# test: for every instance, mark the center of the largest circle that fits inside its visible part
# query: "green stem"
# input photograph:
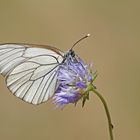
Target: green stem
(106, 110)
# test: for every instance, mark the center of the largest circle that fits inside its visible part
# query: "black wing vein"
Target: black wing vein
(25, 69)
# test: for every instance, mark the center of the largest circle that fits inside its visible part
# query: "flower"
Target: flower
(74, 76)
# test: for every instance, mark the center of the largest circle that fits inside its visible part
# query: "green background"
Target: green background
(114, 48)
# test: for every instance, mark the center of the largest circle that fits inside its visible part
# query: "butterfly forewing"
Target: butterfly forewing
(30, 70)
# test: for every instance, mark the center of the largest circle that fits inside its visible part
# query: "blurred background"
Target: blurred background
(114, 48)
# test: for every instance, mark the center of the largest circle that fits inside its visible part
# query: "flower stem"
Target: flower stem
(106, 110)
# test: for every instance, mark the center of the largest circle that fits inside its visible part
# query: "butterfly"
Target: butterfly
(31, 70)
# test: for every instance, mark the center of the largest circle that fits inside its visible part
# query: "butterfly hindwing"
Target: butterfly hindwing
(30, 71)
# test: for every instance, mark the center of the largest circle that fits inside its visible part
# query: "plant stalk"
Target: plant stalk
(92, 88)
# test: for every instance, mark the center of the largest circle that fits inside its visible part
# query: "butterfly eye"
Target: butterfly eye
(72, 53)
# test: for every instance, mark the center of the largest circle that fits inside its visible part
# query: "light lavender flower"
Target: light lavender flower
(74, 76)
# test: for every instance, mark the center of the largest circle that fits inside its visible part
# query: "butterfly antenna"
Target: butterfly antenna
(79, 41)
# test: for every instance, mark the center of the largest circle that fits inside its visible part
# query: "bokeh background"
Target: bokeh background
(114, 48)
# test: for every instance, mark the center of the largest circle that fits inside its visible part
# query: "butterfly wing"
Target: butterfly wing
(30, 71)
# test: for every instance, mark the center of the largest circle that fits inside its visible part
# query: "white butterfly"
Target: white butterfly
(31, 70)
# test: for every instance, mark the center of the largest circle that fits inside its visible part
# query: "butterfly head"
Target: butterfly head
(71, 54)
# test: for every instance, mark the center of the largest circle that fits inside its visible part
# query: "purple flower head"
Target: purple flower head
(74, 76)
